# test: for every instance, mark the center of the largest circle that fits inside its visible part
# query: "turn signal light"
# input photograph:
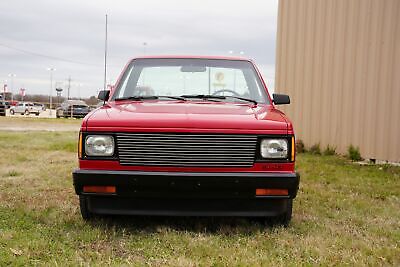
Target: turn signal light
(80, 146)
(99, 189)
(293, 149)
(271, 192)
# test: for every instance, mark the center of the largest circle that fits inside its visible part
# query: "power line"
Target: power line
(47, 56)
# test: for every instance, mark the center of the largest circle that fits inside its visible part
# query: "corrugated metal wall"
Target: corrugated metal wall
(339, 60)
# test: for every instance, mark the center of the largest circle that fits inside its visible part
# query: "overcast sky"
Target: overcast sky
(69, 36)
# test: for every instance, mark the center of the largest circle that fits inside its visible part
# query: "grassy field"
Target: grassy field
(344, 214)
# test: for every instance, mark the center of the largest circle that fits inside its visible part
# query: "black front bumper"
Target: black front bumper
(184, 193)
(77, 115)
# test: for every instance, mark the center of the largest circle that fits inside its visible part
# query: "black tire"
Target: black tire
(12, 112)
(279, 220)
(37, 114)
(83, 204)
(284, 219)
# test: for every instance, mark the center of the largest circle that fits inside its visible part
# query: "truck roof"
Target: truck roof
(191, 57)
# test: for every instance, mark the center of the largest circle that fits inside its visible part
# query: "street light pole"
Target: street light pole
(51, 87)
(144, 48)
(144, 70)
(79, 90)
(4, 89)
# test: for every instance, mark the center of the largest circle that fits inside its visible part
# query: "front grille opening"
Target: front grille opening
(186, 150)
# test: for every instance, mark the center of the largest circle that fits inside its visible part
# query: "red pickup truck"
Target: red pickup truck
(188, 136)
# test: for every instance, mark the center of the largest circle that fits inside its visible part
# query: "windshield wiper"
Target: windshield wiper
(205, 97)
(219, 97)
(172, 97)
(151, 97)
(136, 97)
(244, 99)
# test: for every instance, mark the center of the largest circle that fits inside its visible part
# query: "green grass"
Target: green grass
(344, 214)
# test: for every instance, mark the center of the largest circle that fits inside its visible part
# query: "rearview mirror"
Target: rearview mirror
(193, 69)
(104, 95)
(281, 99)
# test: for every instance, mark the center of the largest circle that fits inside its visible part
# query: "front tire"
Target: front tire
(83, 204)
(12, 112)
(285, 218)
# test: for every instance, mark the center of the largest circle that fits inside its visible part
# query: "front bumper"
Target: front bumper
(186, 193)
(77, 115)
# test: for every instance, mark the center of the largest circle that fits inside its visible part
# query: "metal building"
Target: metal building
(339, 60)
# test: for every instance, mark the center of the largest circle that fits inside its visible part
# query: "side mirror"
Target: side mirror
(104, 95)
(280, 99)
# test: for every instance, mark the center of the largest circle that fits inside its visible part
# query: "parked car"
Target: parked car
(25, 108)
(73, 108)
(196, 137)
(6, 103)
(2, 106)
(39, 106)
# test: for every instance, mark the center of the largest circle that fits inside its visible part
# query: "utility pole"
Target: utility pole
(12, 75)
(4, 89)
(51, 87)
(69, 86)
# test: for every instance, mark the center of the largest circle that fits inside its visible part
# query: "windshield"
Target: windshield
(227, 80)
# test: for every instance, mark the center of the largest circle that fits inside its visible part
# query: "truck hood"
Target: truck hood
(152, 115)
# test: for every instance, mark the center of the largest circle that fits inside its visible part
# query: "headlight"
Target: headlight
(274, 148)
(99, 145)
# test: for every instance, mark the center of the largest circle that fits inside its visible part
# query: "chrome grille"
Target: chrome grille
(186, 150)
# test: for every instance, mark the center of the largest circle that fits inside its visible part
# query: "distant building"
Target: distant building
(339, 61)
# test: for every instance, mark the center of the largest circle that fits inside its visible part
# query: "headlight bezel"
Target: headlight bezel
(258, 158)
(290, 149)
(86, 135)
